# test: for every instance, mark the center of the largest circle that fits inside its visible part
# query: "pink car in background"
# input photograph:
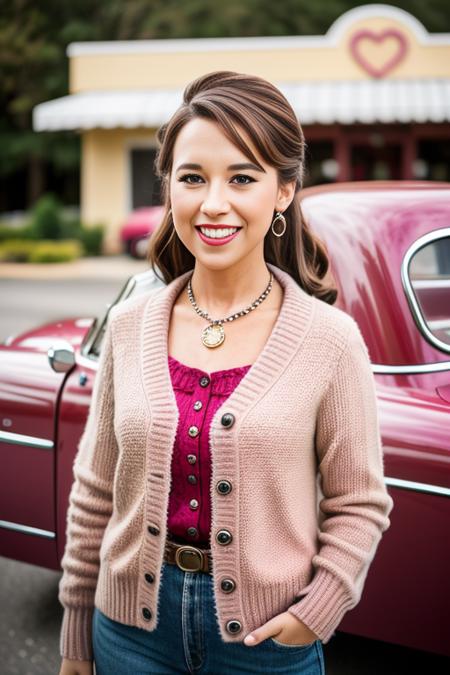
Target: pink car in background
(139, 226)
(389, 244)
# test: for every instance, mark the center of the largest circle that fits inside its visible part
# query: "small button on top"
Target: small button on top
(198, 405)
(153, 529)
(227, 420)
(149, 577)
(204, 381)
(193, 504)
(192, 531)
(192, 479)
(191, 459)
(193, 431)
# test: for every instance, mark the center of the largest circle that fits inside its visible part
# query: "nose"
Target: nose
(214, 202)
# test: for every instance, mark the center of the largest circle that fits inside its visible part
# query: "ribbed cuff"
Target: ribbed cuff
(76, 634)
(324, 604)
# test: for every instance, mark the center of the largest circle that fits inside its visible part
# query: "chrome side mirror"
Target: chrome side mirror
(61, 356)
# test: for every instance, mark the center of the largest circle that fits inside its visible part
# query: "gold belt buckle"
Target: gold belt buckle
(192, 557)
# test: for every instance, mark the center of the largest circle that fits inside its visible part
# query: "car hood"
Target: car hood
(41, 338)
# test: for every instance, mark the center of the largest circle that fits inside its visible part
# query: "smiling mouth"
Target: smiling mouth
(217, 232)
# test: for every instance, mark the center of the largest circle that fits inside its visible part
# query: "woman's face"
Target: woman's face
(216, 192)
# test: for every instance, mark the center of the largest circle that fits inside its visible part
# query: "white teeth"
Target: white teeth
(220, 233)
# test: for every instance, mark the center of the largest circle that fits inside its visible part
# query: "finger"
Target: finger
(250, 640)
(260, 634)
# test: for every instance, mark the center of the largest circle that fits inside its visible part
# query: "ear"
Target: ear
(285, 196)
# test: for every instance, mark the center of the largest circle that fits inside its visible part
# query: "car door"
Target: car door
(29, 390)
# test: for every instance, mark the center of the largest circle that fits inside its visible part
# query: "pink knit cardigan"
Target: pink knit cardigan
(298, 440)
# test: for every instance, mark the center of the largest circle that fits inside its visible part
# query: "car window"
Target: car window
(429, 288)
(145, 282)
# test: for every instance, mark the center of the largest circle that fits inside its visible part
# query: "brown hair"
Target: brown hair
(256, 105)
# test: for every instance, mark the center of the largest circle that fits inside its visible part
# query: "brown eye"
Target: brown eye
(241, 175)
(189, 175)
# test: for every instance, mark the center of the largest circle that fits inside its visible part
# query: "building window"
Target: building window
(321, 166)
(433, 160)
(145, 186)
(376, 162)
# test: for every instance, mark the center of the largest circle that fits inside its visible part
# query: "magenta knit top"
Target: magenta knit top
(198, 394)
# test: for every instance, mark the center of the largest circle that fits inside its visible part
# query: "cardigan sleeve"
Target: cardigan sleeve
(355, 505)
(90, 507)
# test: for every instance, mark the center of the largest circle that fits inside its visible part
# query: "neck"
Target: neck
(224, 292)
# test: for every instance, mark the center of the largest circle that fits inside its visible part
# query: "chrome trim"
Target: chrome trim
(408, 289)
(26, 529)
(97, 326)
(418, 487)
(416, 369)
(61, 356)
(147, 278)
(22, 439)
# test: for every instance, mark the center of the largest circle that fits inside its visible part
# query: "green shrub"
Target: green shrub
(46, 218)
(9, 232)
(51, 251)
(44, 251)
(15, 250)
(47, 221)
(92, 239)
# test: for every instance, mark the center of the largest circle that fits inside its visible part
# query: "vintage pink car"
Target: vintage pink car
(138, 227)
(389, 244)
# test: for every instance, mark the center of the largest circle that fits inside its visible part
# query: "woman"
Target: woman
(229, 495)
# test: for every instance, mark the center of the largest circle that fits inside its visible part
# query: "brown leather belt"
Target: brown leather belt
(188, 558)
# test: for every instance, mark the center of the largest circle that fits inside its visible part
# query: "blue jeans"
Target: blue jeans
(187, 639)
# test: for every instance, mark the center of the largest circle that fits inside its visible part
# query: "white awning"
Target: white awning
(326, 102)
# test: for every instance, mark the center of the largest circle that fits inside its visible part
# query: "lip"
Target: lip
(217, 227)
(215, 242)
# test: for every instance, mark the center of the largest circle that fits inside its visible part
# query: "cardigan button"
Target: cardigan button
(223, 487)
(224, 537)
(233, 626)
(227, 585)
(146, 613)
(204, 381)
(153, 529)
(192, 531)
(193, 431)
(150, 578)
(227, 420)
(193, 504)
(191, 459)
(198, 405)
(192, 479)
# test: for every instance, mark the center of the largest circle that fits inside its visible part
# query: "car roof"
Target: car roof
(374, 186)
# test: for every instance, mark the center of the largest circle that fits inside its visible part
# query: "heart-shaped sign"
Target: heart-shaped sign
(376, 69)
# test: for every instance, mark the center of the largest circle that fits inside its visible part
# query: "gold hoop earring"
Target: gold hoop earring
(279, 216)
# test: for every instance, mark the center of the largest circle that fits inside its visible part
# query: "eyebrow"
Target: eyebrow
(232, 167)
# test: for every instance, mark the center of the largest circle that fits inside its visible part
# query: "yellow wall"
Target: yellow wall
(105, 174)
(175, 69)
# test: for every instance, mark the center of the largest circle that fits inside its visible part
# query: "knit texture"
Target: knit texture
(308, 504)
(196, 405)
